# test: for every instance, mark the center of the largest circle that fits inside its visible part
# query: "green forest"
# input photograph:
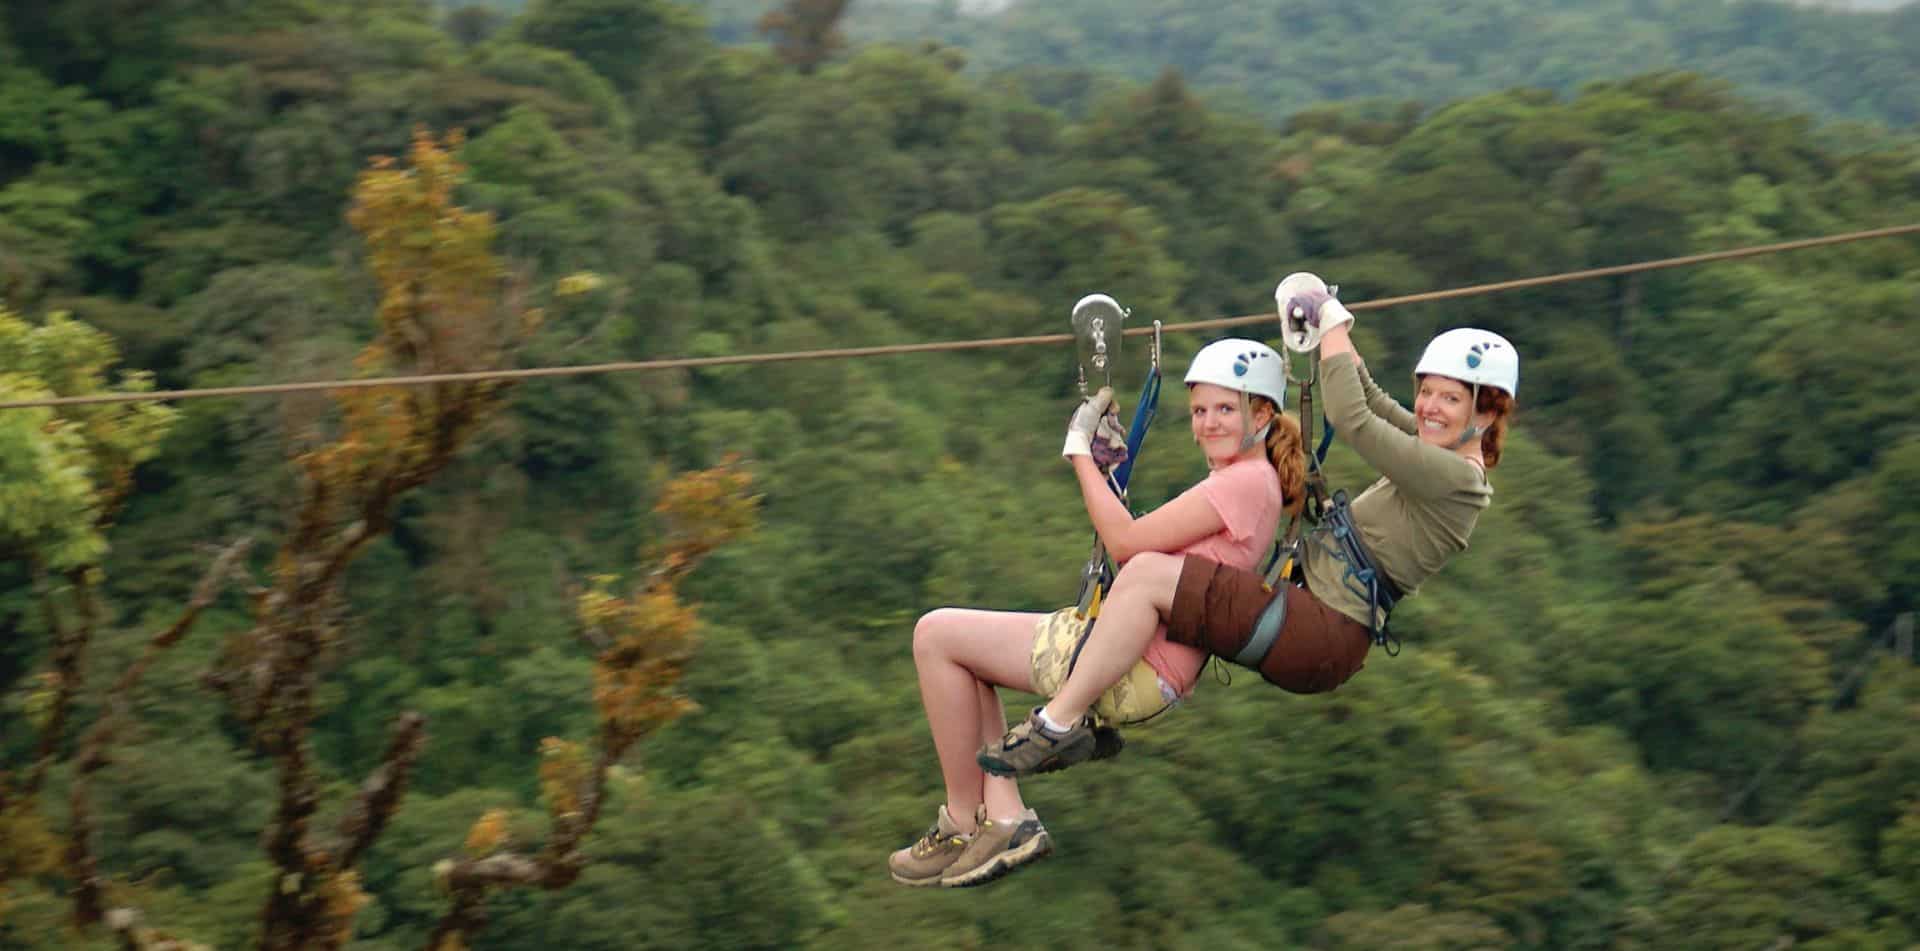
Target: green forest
(623, 660)
(1273, 59)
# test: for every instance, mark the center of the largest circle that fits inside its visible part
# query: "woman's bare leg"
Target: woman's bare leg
(1001, 793)
(960, 654)
(1141, 598)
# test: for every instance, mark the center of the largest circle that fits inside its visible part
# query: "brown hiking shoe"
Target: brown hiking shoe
(1031, 748)
(999, 848)
(923, 862)
(1107, 744)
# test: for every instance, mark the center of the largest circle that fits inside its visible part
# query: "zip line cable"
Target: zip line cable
(841, 353)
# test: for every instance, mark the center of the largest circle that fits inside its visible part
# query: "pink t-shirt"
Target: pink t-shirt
(1247, 496)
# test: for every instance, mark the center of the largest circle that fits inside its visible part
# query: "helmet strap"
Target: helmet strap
(1473, 413)
(1256, 438)
(1252, 438)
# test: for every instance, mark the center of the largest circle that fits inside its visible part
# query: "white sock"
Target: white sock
(1052, 727)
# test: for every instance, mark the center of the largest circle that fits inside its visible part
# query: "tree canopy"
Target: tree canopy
(1652, 704)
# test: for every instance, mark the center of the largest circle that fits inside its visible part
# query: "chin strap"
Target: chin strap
(1473, 412)
(1251, 439)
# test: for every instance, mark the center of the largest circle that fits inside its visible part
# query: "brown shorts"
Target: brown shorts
(1215, 607)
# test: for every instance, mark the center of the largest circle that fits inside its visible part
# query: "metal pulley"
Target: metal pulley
(1098, 321)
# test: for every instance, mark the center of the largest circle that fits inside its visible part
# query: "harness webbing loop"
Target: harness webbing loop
(1363, 577)
(1287, 551)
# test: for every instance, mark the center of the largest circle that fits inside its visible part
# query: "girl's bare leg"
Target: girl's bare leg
(1002, 793)
(960, 655)
(1141, 597)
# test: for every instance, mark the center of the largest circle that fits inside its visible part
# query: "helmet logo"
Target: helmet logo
(1244, 362)
(1475, 352)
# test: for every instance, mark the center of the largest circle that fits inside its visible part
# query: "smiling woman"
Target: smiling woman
(1485, 373)
(1310, 631)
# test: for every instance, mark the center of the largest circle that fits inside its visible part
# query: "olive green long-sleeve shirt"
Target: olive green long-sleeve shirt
(1420, 512)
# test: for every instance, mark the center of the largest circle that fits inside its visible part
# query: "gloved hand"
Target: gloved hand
(1086, 422)
(1308, 308)
(1109, 442)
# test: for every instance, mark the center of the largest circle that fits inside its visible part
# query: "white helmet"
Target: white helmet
(1474, 357)
(1244, 366)
(1247, 367)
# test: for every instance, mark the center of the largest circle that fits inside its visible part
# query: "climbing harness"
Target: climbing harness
(1362, 576)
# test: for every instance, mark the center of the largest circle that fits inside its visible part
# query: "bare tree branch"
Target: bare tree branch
(69, 670)
(93, 754)
(125, 924)
(293, 913)
(641, 644)
(380, 794)
(471, 881)
(503, 868)
(557, 864)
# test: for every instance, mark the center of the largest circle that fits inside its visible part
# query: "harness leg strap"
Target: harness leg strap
(1266, 630)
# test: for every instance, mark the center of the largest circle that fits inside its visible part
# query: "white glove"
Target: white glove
(1308, 308)
(1085, 422)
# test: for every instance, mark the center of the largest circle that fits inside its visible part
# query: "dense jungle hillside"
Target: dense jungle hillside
(1272, 59)
(1653, 706)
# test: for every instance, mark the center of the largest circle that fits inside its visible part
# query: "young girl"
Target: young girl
(1236, 393)
(1312, 632)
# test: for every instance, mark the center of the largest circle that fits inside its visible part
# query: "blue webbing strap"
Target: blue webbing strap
(1097, 578)
(1143, 413)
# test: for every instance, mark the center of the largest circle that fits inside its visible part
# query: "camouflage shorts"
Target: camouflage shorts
(1139, 695)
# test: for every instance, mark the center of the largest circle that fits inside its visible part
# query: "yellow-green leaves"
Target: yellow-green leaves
(649, 634)
(64, 470)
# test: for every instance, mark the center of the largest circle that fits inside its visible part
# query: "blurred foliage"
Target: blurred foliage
(1704, 524)
(1277, 58)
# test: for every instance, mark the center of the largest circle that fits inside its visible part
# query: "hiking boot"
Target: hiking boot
(999, 848)
(1107, 744)
(1031, 748)
(923, 862)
